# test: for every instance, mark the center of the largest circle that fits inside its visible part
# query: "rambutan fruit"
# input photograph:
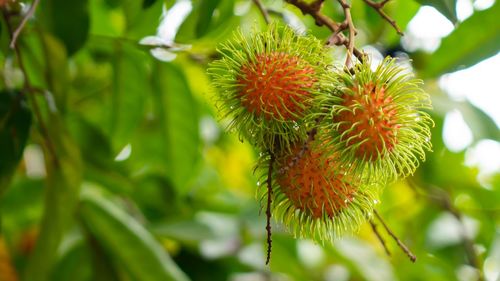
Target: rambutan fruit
(314, 197)
(265, 83)
(379, 128)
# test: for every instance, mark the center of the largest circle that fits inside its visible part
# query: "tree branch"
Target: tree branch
(18, 30)
(379, 237)
(29, 88)
(401, 245)
(352, 31)
(338, 39)
(442, 198)
(378, 8)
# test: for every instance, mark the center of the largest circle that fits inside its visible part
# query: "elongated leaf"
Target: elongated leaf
(127, 239)
(15, 122)
(179, 122)
(480, 123)
(208, 17)
(63, 184)
(446, 7)
(475, 39)
(130, 84)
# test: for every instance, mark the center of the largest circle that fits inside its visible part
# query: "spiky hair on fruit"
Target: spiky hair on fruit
(314, 197)
(380, 127)
(265, 83)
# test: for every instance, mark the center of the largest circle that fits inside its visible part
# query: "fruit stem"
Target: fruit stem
(268, 210)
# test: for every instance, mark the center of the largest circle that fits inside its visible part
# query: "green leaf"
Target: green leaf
(446, 7)
(188, 231)
(205, 16)
(148, 3)
(15, 123)
(130, 83)
(209, 18)
(480, 123)
(61, 194)
(68, 20)
(142, 18)
(126, 239)
(474, 40)
(178, 116)
(73, 264)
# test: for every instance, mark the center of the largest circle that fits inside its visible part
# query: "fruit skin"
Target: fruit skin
(313, 197)
(380, 127)
(265, 82)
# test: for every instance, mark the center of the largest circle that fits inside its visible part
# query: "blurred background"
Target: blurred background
(114, 164)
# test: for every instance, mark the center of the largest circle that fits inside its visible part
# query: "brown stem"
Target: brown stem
(313, 9)
(18, 30)
(268, 209)
(262, 10)
(29, 88)
(352, 31)
(378, 8)
(401, 245)
(379, 237)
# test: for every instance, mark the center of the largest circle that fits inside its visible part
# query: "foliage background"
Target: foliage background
(113, 165)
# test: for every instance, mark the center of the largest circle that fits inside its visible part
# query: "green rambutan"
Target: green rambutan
(379, 127)
(265, 83)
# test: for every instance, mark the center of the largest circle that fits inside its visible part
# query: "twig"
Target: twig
(313, 9)
(382, 241)
(378, 8)
(352, 31)
(468, 243)
(262, 10)
(443, 199)
(18, 30)
(401, 245)
(29, 88)
(268, 210)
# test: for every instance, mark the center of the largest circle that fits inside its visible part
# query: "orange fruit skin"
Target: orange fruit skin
(314, 184)
(369, 102)
(274, 85)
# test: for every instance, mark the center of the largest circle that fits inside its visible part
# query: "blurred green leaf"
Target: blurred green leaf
(73, 264)
(142, 18)
(15, 123)
(178, 117)
(148, 3)
(187, 231)
(446, 7)
(130, 84)
(206, 18)
(68, 20)
(63, 183)
(402, 12)
(480, 123)
(56, 74)
(474, 40)
(127, 239)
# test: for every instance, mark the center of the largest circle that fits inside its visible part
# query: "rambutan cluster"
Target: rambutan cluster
(329, 138)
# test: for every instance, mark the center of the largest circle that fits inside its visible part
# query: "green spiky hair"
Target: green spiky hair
(380, 126)
(265, 83)
(313, 197)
